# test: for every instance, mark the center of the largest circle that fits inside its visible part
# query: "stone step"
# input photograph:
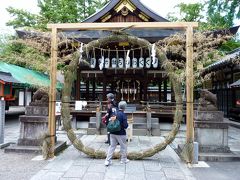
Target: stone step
(92, 119)
(156, 132)
(14, 148)
(136, 120)
(136, 132)
(140, 132)
(223, 157)
(135, 125)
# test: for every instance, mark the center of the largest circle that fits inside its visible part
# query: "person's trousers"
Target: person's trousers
(108, 138)
(114, 140)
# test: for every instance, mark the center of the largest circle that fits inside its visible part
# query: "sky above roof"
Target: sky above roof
(158, 6)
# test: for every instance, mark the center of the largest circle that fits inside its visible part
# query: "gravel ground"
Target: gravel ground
(18, 166)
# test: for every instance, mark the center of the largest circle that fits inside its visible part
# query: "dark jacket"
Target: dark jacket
(122, 117)
(112, 111)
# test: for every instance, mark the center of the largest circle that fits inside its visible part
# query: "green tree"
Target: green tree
(22, 18)
(54, 11)
(188, 12)
(221, 13)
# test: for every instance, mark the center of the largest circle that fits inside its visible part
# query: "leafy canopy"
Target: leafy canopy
(54, 11)
(220, 14)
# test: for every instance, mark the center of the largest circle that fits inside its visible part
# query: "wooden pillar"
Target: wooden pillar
(145, 90)
(172, 95)
(94, 88)
(165, 90)
(52, 92)
(87, 89)
(78, 84)
(104, 88)
(141, 91)
(189, 85)
(160, 91)
(145, 86)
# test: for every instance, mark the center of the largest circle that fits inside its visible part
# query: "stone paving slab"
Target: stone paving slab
(72, 164)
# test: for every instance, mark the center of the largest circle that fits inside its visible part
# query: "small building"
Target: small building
(23, 82)
(225, 83)
(6, 86)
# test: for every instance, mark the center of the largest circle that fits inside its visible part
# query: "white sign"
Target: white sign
(155, 62)
(148, 62)
(78, 105)
(58, 107)
(93, 62)
(120, 63)
(107, 63)
(114, 62)
(101, 63)
(141, 62)
(134, 62)
(127, 63)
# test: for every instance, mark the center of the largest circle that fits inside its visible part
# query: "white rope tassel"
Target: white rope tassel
(127, 60)
(153, 54)
(81, 51)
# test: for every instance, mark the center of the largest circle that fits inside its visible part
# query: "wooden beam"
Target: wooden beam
(189, 84)
(120, 25)
(52, 92)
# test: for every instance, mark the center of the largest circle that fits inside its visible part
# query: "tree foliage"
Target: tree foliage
(54, 11)
(22, 18)
(220, 14)
(22, 55)
(188, 12)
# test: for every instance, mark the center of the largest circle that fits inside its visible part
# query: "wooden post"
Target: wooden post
(165, 90)
(94, 89)
(78, 82)
(160, 90)
(52, 92)
(104, 88)
(145, 87)
(87, 89)
(189, 84)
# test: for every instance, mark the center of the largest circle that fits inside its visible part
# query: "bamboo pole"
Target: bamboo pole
(52, 92)
(189, 84)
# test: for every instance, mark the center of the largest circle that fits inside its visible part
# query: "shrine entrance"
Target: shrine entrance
(108, 71)
(145, 28)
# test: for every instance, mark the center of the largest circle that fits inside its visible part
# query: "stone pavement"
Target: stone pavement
(15, 166)
(161, 165)
(72, 164)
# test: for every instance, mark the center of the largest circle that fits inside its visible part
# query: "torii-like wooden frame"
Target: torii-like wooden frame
(187, 26)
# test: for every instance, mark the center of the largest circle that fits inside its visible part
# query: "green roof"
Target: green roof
(26, 76)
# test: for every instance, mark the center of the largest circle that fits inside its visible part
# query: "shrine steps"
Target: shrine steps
(139, 127)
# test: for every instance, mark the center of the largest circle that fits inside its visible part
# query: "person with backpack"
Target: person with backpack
(111, 111)
(116, 127)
